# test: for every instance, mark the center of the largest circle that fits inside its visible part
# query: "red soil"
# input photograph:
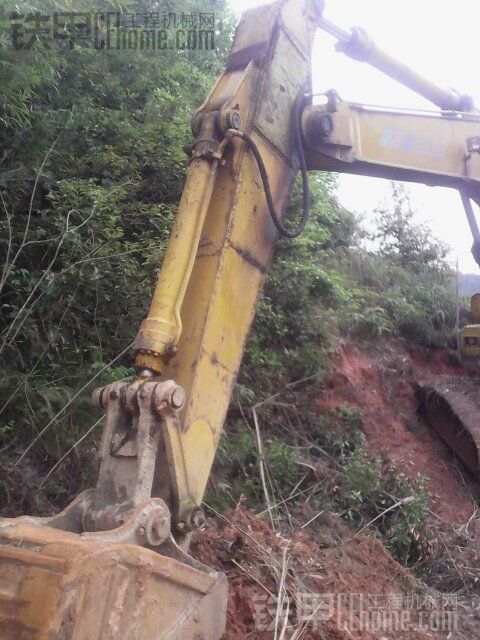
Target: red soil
(355, 577)
(351, 571)
(381, 384)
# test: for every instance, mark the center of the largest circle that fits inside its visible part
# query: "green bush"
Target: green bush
(369, 488)
(237, 475)
(366, 491)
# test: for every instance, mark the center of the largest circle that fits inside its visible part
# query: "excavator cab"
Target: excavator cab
(469, 336)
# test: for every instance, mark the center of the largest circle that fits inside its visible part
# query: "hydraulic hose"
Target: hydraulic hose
(296, 130)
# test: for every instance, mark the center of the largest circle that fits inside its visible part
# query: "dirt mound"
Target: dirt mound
(381, 383)
(328, 583)
(291, 586)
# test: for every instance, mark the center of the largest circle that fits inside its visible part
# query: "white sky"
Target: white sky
(437, 38)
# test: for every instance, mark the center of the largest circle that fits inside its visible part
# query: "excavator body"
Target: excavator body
(451, 404)
(469, 336)
(115, 565)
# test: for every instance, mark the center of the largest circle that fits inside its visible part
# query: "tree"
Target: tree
(409, 243)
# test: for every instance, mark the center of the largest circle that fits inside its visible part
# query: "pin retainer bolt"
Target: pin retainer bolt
(235, 120)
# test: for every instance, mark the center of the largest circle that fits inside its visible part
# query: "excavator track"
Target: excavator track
(451, 405)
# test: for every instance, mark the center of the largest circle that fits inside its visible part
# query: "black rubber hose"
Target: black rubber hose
(473, 224)
(296, 129)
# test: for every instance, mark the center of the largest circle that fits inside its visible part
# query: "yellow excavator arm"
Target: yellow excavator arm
(437, 149)
(114, 565)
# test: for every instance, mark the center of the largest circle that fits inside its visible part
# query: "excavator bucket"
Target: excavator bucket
(451, 406)
(58, 585)
(110, 567)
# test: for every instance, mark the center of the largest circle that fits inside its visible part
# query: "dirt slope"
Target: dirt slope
(381, 383)
(330, 584)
